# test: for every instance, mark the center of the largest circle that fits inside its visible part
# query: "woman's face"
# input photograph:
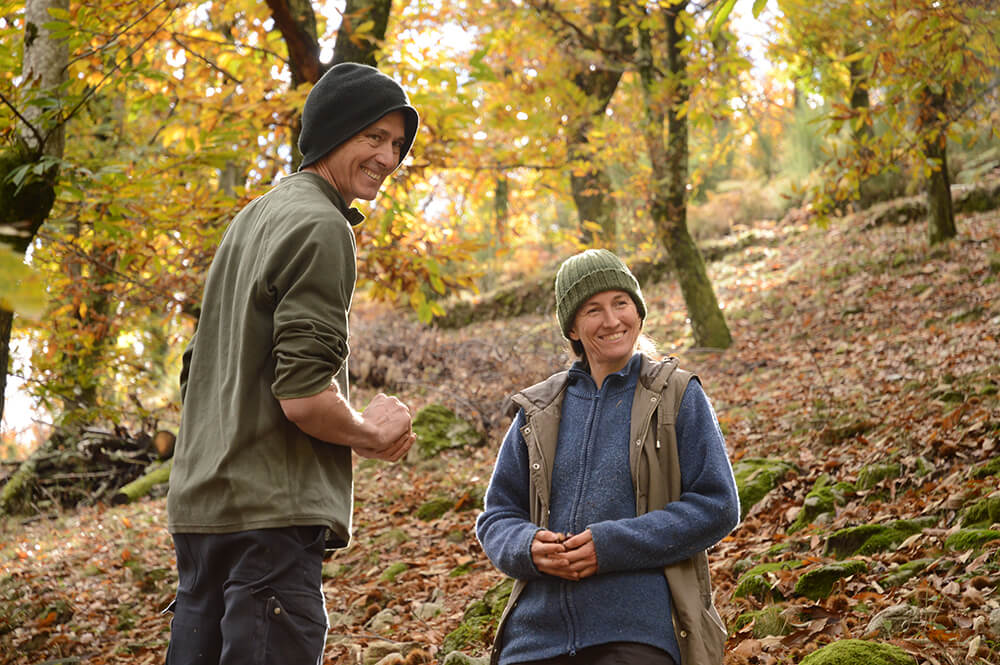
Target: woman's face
(608, 326)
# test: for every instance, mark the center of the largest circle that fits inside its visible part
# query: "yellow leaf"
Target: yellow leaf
(171, 134)
(22, 288)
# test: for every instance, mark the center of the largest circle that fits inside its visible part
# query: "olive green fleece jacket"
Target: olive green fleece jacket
(273, 326)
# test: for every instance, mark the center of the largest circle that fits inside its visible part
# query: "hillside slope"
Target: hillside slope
(856, 350)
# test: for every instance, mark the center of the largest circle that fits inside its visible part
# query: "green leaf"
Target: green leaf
(758, 7)
(719, 16)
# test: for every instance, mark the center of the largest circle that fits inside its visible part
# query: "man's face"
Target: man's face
(359, 165)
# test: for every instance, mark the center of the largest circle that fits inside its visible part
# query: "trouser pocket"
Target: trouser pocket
(293, 627)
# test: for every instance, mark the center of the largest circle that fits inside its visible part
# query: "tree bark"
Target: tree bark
(599, 47)
(861, 102)
(670, 174)
(156, 474)
(44, 65)
(296, 21)
(940, 211)
(352, 46)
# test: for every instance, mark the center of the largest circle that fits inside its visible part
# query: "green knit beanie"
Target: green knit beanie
(588, 273)
(345, 100)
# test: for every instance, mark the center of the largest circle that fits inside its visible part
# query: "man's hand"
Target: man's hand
(384, 431)
(393, 429)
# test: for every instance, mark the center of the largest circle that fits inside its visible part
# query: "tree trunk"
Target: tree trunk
(598, 54)
(156, 474)
(352, 46)
(44, 66)
(670, 173)
(861, 102)
(940, 211)
(594, 205)
(296, 21)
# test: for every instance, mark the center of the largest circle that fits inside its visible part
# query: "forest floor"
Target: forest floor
(853, 346)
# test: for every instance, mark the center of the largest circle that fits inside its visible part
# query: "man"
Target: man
(261, 485)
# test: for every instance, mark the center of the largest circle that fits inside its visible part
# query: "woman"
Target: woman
(610, 484)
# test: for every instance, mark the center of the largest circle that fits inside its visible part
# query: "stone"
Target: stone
(894, 620)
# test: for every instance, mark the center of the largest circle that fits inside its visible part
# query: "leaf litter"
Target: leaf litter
(852, 347)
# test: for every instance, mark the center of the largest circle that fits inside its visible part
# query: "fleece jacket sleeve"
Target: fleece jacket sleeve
(707, 511)
(504, 528)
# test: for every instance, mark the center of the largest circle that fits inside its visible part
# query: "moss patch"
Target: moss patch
(905, 572)
(479, 621)
(970, 539)
(755, 477)
(822, 499)
(871, 538)
(817, 584)
(761, 582)
(873, 474)
(392, 572)
(766, 622)
(991, 468)
(438, 428)
(982, 513)
(434, 508)
(852, 652)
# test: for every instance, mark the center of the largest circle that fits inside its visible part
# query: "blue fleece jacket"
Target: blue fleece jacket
(628, 600)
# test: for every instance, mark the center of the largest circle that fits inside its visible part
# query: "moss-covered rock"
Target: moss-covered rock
(871, 538)
(766, 622)
(873, 474)
(817, 584)
(834, 433)
(756, 476)
(761, 581)
(982, 514)
(475, 632)
(894, 620)
(970, 539)
(905, 572)
(857, 652)
(459, 658)
(434, 508)
(990, 468)
(822, 499)
(438, 428)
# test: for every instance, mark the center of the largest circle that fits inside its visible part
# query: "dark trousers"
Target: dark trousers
(249, 598)
(613, 653)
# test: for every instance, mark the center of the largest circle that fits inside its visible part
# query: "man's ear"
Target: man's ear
(573, 334)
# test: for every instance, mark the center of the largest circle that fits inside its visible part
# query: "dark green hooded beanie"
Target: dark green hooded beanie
(346, 99)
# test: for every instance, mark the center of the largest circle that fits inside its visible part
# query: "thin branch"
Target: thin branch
(93, 91)
(34, 130)
(234, 44)
(208, 62)
(114, 38)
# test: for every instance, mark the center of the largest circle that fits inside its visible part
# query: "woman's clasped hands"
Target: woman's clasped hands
(571, 557)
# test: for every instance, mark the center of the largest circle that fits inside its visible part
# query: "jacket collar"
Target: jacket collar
(353, 215)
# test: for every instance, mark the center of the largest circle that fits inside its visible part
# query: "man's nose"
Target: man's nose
(387, 155)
